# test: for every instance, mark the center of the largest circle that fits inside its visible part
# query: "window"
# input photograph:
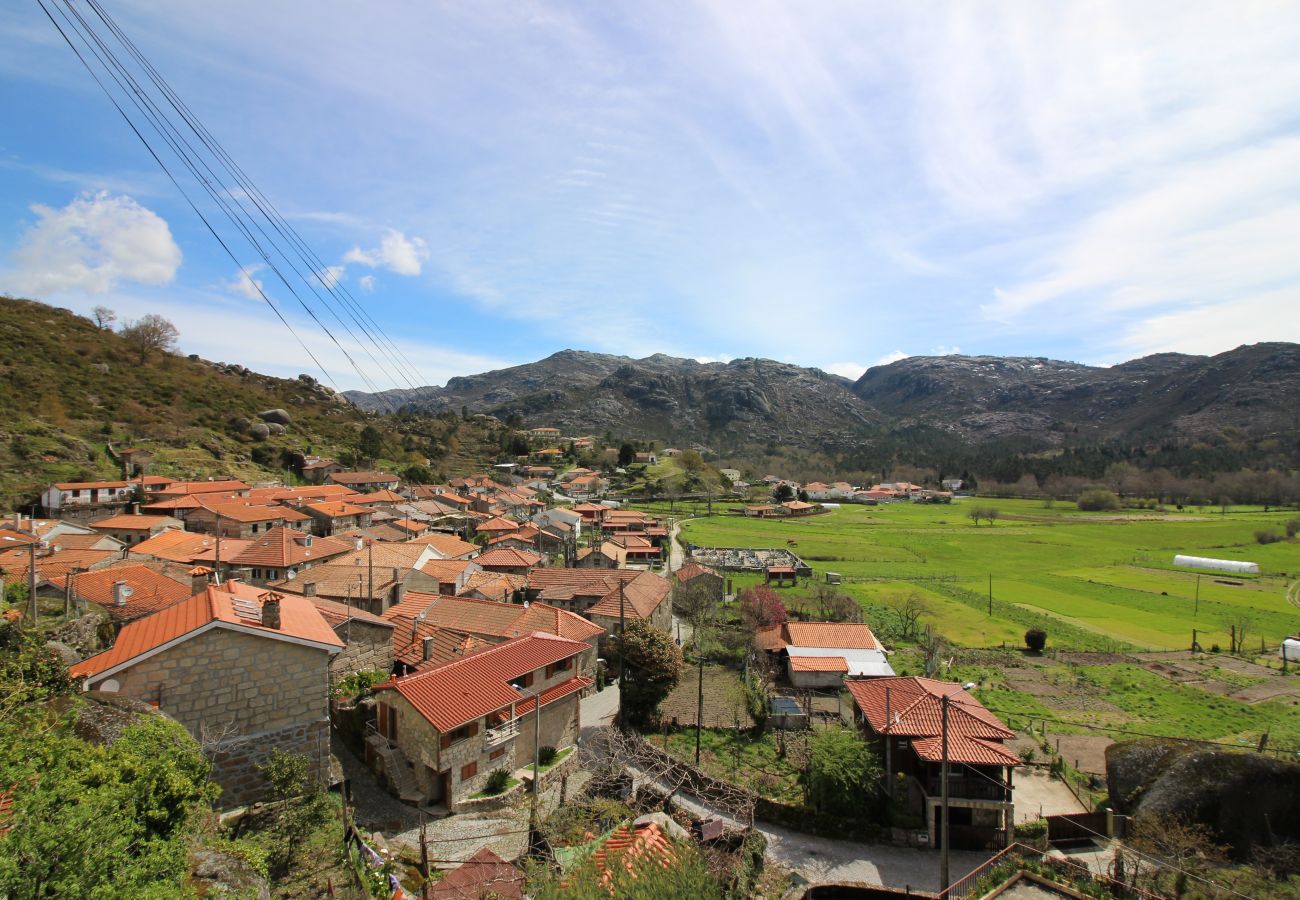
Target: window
(460, 734)
(495, 754)
(468, 771)
(76, 494)
(254, 528)
(563, 665)
(523, 681)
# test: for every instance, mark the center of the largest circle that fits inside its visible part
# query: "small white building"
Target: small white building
(823, 654)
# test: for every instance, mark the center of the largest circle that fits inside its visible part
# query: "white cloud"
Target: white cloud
(720, 358)
(1216, 327)
(330, 276)
(94, 243)
(891, 358)
(245, 284)
(850, 370)
(367, 283)
(396, 252)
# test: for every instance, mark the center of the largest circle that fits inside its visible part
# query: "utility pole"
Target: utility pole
(990, 594)
(370, 572)
(943, 834)
(31, 582)
(699, 703)
(889, 762)
(622, 674)
(1197, 610)
(217, 564)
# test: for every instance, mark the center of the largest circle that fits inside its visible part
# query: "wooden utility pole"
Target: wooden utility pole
(889, 761)
(31, 582)
(699, 703)
(622, 622)
(370, 573)
(943, 834)
(1197, 610)
(990, 594)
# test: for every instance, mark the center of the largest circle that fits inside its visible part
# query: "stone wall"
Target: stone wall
(368, 647)
(228, 687)
(236, 764)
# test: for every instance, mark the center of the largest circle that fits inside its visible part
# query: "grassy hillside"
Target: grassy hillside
(71, 389)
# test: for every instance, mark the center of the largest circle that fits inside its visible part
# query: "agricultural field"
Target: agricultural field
(1094, 581)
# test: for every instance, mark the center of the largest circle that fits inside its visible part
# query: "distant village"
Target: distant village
(475, 619)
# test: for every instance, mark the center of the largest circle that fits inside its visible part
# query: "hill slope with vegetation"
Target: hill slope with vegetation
(76, 392)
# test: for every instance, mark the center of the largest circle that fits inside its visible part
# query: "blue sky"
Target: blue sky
(831, 184)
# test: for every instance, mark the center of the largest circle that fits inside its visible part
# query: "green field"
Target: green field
(1094, 581)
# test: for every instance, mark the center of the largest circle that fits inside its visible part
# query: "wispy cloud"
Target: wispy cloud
(396, 253)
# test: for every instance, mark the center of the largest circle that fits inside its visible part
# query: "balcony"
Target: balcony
(972, 788)
(502, 733)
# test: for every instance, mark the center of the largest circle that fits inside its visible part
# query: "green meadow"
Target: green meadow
(1093, 581)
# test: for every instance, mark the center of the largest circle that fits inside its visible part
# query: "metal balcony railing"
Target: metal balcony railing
(501, 733)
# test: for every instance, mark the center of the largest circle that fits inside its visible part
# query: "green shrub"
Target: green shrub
(497, 781)
(1098, 500)
(546, 755)
(1292, 527)
(1036, 639)
(1267, 536)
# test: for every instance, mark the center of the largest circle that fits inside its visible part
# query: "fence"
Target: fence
(1018, 854)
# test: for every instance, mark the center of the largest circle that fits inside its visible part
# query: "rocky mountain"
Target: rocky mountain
(745, 400)
(975, 399)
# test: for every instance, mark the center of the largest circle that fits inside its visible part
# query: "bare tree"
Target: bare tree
(697, 601)
(104, 317)
(835, 606)
(932, 647)
(149, 334)
(908, 609)
(1237, 625)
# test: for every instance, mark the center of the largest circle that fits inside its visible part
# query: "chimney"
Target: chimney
(135, 509)
(361, 544)
(121, 590)
(199, 582)
(18, 521)
(427, 648)
(399, 592)
(309, 589)
(271, 611)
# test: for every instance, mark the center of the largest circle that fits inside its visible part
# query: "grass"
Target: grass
(511, 782)
(741, 757)
(1092, 581)
(560, 757)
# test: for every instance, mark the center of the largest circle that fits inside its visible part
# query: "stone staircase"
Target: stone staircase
(399, 771)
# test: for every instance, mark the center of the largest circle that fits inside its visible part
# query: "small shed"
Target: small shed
(1290, 650)
(786, 714)
(1237, 566)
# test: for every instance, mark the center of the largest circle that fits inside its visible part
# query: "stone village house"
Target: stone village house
(441, 731)
(245, 670)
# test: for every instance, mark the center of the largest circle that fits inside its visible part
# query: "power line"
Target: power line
(277, 238)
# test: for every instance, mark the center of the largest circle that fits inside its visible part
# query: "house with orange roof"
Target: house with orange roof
(134, 529)
(629, 849)
(505, 559)
(822, 654)
(217, 487)
(64, 499)
(694, 577)
(16, 563)
(364, 482)
(244, 669)
(447, 546)
(441, 732)
(317, 469)
(451, 574)
(905, 716)
(125, 591)
(335, 516)
(499, 586)
(367, 639)
(381, 498)
(600, 594)
(482, 875)
(237, 517)
(285, 553)
(495, 527)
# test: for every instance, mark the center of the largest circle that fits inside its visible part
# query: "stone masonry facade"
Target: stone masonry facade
(232, 691)
(369, 648)
(421, 743)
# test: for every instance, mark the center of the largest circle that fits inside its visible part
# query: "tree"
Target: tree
(842, 770)
(417, 474)
(1036, 639)
(370, 444)
(697, 600)
(150, 334)
(932, 648)
(300, 804)
(691, 462)
(761, 607)
(783, 493)
(1097, 500)
(104, 317)
(908, 609)
(802, 495)
(835, 606)
(652, 666)
(626, 455)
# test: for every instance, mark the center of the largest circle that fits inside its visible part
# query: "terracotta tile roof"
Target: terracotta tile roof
(10, 537)
(507, 557)
(282, 547)
(483, 874)
(336, 613)
(818, 664)
(335, 509)
(362, 477)
(642, 595)
(175, 545)
(381, 496)
(14, 563)
(240, 510)
(497, 524)
(692, 570)
(232, 604)
(565, 584)
(189, 501)
(373, 532)
(916, 711)
(462, 690)
(838, 635)
(631, 848)
(551, 694)
(94, 541)
(492, 618)
(136, 523)
(151, 590)
(494, 585)
(226, 486)
(340, 580)
(517, 537)
(302, 493)
(770, 638)
(446, 569)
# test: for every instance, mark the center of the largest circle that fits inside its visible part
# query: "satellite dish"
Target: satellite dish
(292, 575)
(127, 590)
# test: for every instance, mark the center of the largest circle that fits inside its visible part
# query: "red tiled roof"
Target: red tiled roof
(839, 635)
(641, 596)
(336, 613)
(818, 664)
(141, 523)
(14, 563)
(630, 848)
(241, 510)
(226, 486)
(362, 477)
(282, 547)
(507, 557)
(335, 509)
(230, 604)
(489, 617)
(89, 485)
(770, 638)
(176, 545)
(188, 501)
(915, 707)
(380, 496)
(497, 524)
(151, 591)
(483, 874)
(551, 694)
(465, 689)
